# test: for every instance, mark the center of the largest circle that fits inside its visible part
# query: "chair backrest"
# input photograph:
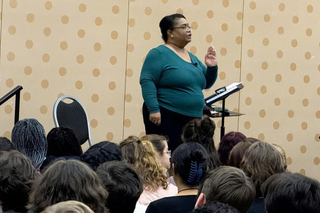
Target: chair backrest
(74, 116)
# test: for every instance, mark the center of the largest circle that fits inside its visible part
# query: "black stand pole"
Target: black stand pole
(222, 118)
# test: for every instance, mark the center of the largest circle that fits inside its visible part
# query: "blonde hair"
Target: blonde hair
(70, 206)
(144, 158)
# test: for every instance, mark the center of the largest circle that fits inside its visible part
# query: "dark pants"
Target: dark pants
(171, 126)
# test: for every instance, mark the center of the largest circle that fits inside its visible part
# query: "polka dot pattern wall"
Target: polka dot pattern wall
(280, 70)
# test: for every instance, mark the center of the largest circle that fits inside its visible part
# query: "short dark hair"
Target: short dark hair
(167, 23)
(190, 163)
(6, 144)
(16, 177)
(291, 193)
(28, 135)
(100, 153)
(63, 142)
(227, 142)
(215, 207)
(229, 185)
(68, 180)
(123, 185)
(157, 141)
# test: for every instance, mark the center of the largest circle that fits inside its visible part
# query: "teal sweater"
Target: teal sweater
(172, 83)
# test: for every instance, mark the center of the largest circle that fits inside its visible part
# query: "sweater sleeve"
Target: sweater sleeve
(149, 79)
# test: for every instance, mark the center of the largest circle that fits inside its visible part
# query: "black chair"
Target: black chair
(74, 116)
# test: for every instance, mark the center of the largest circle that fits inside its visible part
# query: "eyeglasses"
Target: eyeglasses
(184, 26)
(168, 152)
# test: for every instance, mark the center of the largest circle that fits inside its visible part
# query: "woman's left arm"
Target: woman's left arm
(211, 72)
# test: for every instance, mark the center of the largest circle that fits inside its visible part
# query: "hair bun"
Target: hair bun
(198, 155)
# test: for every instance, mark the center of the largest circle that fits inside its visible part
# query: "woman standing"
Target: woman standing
(172, 80)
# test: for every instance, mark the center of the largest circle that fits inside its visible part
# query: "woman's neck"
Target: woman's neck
(184, 189)
(175, 47)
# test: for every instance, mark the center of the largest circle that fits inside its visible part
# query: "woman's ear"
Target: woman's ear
(169, 33)
(201, 200)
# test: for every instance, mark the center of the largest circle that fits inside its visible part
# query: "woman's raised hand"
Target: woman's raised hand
(211, 57)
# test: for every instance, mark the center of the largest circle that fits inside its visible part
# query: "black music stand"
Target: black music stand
(221, 94)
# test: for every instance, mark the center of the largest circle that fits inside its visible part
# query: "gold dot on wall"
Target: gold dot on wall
(310, 8)
(277, 101)
(95, 72)
(278, 78)
(48, 5)
(98, 21)
(27, 70)
(193, 50)
(223, 51)
(147, 36)
(128, 98)
(222, 75)
(210, 14)
(282, 7)
(63, 45)
(129, 72)
(279, 54)
(11, 56)
(127, 122)
(280, 30)
(225, 3)
(249, 77)
(179, 10)
(316, 161)
(8, 109)
(30, 17)
(266, 17)
(294, 43)
(95, 98)
(112, 85)
(209, 38)
(318, 114)
(143, 133)
(93, 123)
(289, 137)
(114, 34)
(29, 44)
(45, 57)
(239, 16)
(276, 125)
(113, 60)
(318, 91)
(64, 19)
(26, 96)
(252, 5)
(265, 41)
(248, 101)
(247, 125)
(251, 29)
(263, 89)
(289, 161)
(115, 9)
(250, 52)
(302, 172)
(111, 111)
(109, 136)
(43, 109)
(82, 7)
(44, 83)
(131, 22)
(78, 84)
(9, 82)
(304, 125)
(80, 59)
(62, 71)
(81, 33)
(261, 137)
(97, 47)
(47, 31)
(303, 149)
(264, 65)
(309, 32)
(195, 2)
(148, 11)
(316, 137)
(238, 40)
(262, 113)
(237, 64)
(12, 30)
(290, 113)
(60, 95)
(13, 3)
(293, 66)
(130, 48)
(194, 25)
(295, 19)
(305, 102)
(307, 55)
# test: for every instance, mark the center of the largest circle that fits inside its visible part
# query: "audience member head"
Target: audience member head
(6, 144)
(16, 177)
(189, 163)
(160, 144)
(237, 152)
(100, 153)
(70, 206)
(260, 162)
(291, 193)
(63, 142)
(215, 207)
(227, 142)
(282, 153)
(229, 185)
(123, 185)
(68, 180)
(167, 23)
(201, 130)
(29, 138)
(145, 160)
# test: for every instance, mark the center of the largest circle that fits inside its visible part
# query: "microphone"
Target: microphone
(195, 64)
